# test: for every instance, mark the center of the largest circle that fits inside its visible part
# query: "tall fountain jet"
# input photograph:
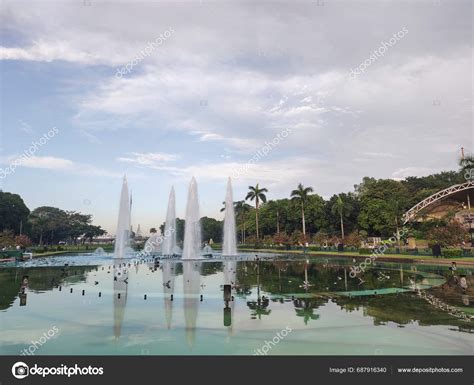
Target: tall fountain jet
(192, 228)
(169, 241)
(122, 238)
(230, 240)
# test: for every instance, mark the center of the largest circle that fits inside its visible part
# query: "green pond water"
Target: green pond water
(290, 305)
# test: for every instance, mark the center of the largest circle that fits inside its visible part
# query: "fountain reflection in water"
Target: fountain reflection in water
(191, 290)
(122, 238)
(120, 294)
(192, 229)
(168, 290)
(169, 242)
(230, 241)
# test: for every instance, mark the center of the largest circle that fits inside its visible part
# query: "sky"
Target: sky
(275, 93)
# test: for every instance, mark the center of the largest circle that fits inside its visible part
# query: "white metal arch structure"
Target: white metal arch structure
(413, 212)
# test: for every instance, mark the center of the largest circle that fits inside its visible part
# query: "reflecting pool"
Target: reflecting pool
(95, 305)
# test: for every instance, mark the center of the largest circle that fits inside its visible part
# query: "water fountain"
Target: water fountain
(230, 241)
(99, 251)
(169, 241)
(192, 229)
(154, 244)
(122, 238)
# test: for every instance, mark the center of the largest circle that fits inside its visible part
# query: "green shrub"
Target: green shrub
(452, 253)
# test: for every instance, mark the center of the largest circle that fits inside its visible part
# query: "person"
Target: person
(463, 283)
(453, 267)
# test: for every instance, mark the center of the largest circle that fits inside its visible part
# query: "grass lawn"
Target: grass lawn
(352, 254)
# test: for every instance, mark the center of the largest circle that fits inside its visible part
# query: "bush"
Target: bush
(23, 241)
(353, 239)
(7, 239)
(452, 253)
(452, 234)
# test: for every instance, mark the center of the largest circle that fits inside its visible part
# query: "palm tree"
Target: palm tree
(258, 194)
(276, 206)
(338, 208)
(301, 194)
(241, 209)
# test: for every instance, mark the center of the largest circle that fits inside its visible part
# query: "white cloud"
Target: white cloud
(410, 171)
(47, 162)
(234, 75)
(56, 164)
(48, 51)
(151, 159)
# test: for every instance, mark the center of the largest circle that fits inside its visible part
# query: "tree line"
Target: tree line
(44, 225)
(374, 208)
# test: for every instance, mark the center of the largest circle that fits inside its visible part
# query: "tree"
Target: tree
(49, 221)
(342, 208)
(281, 239)
(354, 239)
(452, 233)
(56, 225)
(382, 203)
(23, 241)
(92, 231)
(211, 229)
(298, 238)
(179, 230)
(301, 195)
(7, 239)
(320, 238)
(275, 208)
(13, 212)
(350, 213)
(467, 166)
(420, 188)
(78, 224)
(241, 209)
(258, 194)
(153, 230)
